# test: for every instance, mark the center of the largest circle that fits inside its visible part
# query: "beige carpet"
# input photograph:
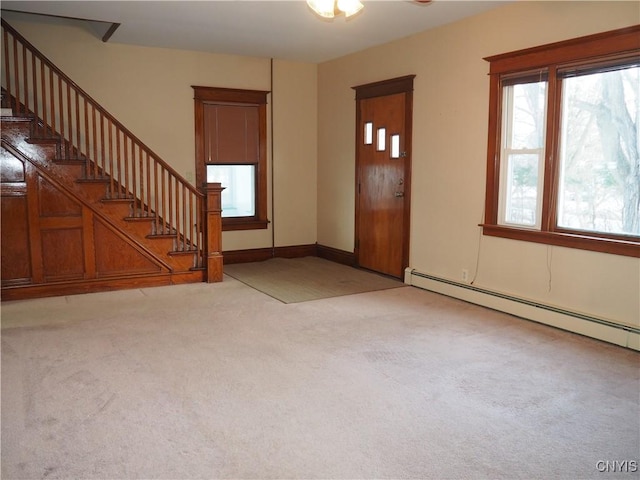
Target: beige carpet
(221, 381)
(293, 280)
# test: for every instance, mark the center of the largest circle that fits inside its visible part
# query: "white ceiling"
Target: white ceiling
(286, 30)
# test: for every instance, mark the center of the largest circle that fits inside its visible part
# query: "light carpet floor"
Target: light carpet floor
(293, 280)
(222, 381)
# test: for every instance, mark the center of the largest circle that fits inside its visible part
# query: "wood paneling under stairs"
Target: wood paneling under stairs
(60, 235)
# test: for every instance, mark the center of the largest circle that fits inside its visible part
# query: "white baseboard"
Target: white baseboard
(606, 330)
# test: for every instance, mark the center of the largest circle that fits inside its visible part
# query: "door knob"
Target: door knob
(399, 194)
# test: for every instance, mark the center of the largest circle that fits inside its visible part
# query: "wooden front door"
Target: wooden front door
(383, 175)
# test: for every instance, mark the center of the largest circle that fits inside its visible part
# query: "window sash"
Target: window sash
(516, 207)
(591, 194)
(239, 182)
(604, 65)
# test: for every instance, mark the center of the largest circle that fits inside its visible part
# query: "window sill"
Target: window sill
(230, 224)
(614, 246)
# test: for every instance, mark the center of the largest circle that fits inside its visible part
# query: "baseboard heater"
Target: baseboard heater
(620, 334)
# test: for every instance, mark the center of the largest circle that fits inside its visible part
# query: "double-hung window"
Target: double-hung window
(564, 141)
(230, 131)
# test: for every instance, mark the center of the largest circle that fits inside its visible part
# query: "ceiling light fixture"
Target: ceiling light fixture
(331, 8)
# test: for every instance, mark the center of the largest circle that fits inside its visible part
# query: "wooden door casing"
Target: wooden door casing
(382, 182)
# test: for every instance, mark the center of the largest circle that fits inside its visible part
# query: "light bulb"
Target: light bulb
(324, 8)
(350, 7)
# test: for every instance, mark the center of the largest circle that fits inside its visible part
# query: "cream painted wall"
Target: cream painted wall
(449, 157)
(149, 91)
(295, 153)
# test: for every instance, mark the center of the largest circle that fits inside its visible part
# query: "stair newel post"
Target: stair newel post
(213, 231)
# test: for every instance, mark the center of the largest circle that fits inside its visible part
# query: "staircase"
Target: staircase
(86, 206)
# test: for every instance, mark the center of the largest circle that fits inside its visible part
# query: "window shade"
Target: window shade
(231, 134)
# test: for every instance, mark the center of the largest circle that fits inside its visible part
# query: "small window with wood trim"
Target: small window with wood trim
(231, 140)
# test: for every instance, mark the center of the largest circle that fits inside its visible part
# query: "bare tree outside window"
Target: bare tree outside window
(600, 163)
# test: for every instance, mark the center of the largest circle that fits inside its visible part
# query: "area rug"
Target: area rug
(293, 280)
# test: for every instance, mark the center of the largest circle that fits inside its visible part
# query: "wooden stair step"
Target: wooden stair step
(18, 118)
(161, 244)
(183, 260)
(70, 161)
(117, 200)
(154, 236)
(140, 218)
(119, 209)
(139, 228)
(93, 180)
(70, 170)
(43, 140)
(92, 192)
(175, 253)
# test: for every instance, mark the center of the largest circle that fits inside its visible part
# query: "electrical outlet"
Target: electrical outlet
(465, 275)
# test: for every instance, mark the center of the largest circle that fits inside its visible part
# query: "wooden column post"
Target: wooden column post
(213, 234)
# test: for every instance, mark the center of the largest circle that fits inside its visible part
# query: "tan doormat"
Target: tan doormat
(293, 280)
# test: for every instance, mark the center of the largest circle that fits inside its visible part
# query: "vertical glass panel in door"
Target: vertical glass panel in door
(368, 133)
(382, 140)
(395, 146)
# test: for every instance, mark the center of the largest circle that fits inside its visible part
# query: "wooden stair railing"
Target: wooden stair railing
(90, 134)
